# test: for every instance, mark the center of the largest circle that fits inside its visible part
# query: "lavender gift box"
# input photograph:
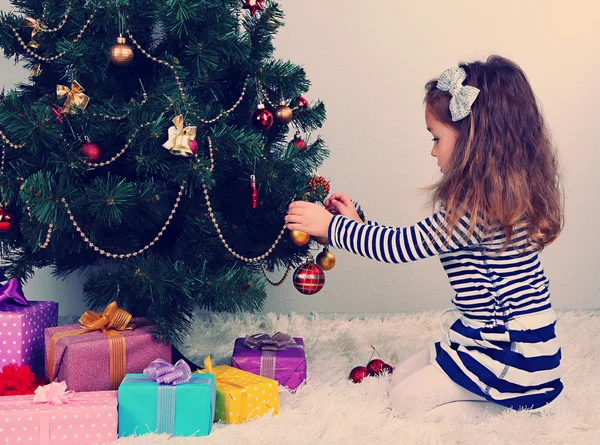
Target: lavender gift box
(22, 333)
(287, 366)
(83, 360)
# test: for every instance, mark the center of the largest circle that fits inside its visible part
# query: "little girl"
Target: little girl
(496, 206)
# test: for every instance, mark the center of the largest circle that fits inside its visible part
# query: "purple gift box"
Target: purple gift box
(286, 364)
(22, 333)
(83, 360)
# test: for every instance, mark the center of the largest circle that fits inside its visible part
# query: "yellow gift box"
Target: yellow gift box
(241, 395)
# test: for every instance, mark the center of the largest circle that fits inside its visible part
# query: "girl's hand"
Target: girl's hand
(309, 218)
(339, 203)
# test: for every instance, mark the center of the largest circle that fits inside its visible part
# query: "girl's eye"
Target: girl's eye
(435, 139)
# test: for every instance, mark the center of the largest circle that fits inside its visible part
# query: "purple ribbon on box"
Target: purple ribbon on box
(269, 345)
(12, 290)
(168, 376)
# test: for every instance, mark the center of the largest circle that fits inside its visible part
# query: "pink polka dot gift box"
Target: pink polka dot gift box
(22, 333)
(74, 419)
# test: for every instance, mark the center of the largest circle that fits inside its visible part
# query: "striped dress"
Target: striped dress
(503, 347)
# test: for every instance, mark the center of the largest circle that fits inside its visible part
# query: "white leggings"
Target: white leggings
(418, 387)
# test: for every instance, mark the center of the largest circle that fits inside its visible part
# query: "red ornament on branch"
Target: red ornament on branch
(91, 152)
(302, 102)
(194, 146)
(6, 220)
(309, 278)
(262, 118)
(299, 142)
(254, 5)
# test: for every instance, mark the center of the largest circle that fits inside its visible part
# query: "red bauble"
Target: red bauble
(309, 278)
(91, 152)
(194, 147)
(299, 142)
(262, 119)
(302, 103)
(253, 5)
(375, 366)
(6, 220)
(358, 374)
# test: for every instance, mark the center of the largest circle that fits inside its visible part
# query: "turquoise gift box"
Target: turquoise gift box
(186, 409)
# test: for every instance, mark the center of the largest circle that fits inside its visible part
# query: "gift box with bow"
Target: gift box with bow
(279, 357)
(167, 399)
(241, 395)
(22, 325)
(96, 354)
(55, 415)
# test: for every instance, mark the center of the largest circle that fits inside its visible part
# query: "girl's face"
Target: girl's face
(444, 139)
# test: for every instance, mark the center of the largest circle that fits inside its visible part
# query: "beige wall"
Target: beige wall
(368, 61)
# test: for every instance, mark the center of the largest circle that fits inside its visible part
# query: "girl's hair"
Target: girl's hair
(503, 171)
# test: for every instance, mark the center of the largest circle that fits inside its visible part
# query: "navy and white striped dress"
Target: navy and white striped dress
(503, 347)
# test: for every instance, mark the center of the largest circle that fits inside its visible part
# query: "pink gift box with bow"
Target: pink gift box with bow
(89, 418)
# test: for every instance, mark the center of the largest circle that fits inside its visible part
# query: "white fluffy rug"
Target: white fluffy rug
(332, 410)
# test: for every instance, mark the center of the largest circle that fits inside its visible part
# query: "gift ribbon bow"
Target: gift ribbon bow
(54, 393)
(30, 22)
(12, 290)
(74, 97)
(110, 322)
(179, 137)
(278, 342)
(163, 372)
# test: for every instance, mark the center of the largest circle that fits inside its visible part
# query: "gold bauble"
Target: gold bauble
(121, 54)
(283, 114)
(322, 240)
(298, 237)
(326, 260)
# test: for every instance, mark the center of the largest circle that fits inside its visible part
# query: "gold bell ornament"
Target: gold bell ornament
(121, 53)
(181, 140)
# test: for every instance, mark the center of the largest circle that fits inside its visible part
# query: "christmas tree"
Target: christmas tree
(160, 140)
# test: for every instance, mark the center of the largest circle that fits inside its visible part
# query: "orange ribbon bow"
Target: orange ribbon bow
(111, 321)
(74, 97)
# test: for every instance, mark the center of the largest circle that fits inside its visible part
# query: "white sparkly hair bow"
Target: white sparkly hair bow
(463, 96)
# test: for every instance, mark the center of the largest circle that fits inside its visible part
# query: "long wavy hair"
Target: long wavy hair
(503, 171)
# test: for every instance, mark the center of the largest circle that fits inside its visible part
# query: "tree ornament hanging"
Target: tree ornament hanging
(309, 278)
(299, 238)
(254, 192)
(283, 114)
(121, 53)
(253, 5)
(299, 142)
(180, 137)
(318, 187)
(74, 97)
(322, 240)
(302, 102)
(194, 146)
(6, 220)
(326, 259)
(262, 118)
(91, 152)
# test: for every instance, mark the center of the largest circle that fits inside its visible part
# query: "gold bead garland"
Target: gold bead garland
(218, 229)
(162, 62)
(276, 283)
(50, 230)
(9, 143)
(118, 118)
(44, 28)
(230, 110)
(126, 255)
(59, 55)
(127, 144)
